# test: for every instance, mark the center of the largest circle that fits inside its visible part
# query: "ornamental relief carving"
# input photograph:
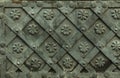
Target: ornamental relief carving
(60, 39)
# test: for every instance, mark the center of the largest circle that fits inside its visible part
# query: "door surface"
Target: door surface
(60, 39)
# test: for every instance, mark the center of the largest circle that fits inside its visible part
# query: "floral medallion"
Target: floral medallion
(115, 14)
(83, 47)
(48, 14)
(33, 64)
(101, 44)
(99, 28)
(15, 14)
(66, 30)
(68, 63)
(83, 15)
(100, 61)
(18, 47)
(33, 28)
(117, 55)
(51, 47)
(115, 45)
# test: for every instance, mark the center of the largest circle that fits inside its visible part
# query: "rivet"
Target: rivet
(83, 29)
(18, 63)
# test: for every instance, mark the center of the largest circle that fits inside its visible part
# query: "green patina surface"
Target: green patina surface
(60, 39)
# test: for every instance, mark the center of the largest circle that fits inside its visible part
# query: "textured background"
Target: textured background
(4, 0)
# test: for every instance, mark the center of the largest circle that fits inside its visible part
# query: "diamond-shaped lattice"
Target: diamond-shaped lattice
(50, 16)
(34, 63)
(113, 48)
(18, 51)
(50, 47)
(100, 62)
(67, 63)
(32, 28)
(61, 37)
(83, 14)
(99, 33)
(34, 34)
(18, 16)
(68, 32)
(83, 47)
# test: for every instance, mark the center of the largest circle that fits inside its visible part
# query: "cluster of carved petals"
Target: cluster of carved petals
(83, 47)
(33, 64)
(99, 28)
(100, 61)
(115, 45)
(115, 13)
(83, 14)
(33, 28)
(66, 30)
(51, 47)
(117, 55)
(18, 47)
(48, 14)
(68, 63)
(15, 14)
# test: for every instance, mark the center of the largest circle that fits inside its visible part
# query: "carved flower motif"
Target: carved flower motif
(34, 64)
(18, 47)
(115, 13)
(116, 45)
(65, 30)
(32, 29)
(82, 14)
(83, 47)
(117, 55)
(15, 14)
(51, 47)
(48, 14)
(68, 62)
(99, 28)
(100, 61)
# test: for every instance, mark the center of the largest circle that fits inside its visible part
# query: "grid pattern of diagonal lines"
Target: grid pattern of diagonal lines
(60, 39)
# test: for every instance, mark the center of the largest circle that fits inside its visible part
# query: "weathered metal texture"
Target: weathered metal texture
(60, 39)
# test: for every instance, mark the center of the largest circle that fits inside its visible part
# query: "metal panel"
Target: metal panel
(60, 39)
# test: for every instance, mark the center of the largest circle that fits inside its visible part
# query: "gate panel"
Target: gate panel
(41, 39)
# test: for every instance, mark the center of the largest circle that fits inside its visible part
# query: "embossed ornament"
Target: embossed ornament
(115, 13)
(15, 14)
(66, 30)
(83, 15)
(48, 14)
(32, 29)
(18, 47)
(34, 64)
(68, 63)
(83, 47)
(99, 28)
(100, 61)
(115, 45)
(51, 47)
